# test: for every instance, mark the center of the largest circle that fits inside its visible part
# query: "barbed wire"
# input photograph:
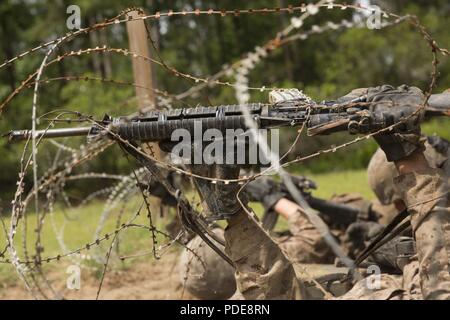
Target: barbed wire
(53, 181)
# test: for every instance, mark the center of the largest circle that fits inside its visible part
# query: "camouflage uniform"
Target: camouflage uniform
(381, 180)
(380, 176)
(206, 276)
(427, 275)
(304, 244)
(425, 194)
(389, 287)
(262, 269)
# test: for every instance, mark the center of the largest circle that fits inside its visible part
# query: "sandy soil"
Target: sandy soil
(144, 280)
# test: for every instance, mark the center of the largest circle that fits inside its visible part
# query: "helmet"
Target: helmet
(205, 274)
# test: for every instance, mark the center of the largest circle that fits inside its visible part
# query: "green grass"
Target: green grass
(79, 229)
(341, 182)
(80, 223)
(79, 226)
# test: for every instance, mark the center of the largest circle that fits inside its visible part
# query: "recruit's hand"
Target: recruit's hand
(266, 191)
(388, 105)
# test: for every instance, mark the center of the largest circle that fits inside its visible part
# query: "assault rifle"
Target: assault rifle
(288, 108)
(336, 213)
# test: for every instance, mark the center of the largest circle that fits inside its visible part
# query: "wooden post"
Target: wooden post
(142, 71)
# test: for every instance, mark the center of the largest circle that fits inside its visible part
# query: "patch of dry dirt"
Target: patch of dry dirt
(144, 281)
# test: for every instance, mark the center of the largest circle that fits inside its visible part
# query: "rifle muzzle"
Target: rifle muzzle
(20, 135)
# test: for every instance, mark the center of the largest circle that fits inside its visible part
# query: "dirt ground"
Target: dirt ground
(144, 280)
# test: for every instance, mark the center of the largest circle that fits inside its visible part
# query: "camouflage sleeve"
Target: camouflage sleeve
(262, 270)
(306, 245)
(426, 196)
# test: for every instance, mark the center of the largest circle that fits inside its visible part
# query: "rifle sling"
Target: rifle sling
(389, 232)
(269, 219)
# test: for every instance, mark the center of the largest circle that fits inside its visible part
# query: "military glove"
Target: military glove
(266, 191)
(388, 106)
(220, 198)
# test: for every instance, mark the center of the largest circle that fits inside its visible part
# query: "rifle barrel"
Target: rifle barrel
(338, 212)
(20, 135)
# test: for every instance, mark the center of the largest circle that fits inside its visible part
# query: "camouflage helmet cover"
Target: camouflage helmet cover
(205, 274)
